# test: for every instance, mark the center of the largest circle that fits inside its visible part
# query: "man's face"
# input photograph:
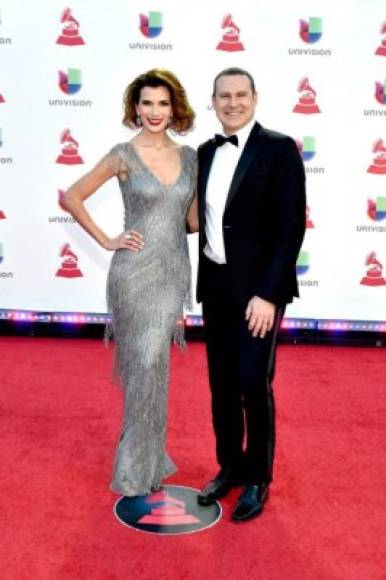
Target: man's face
(234, 102)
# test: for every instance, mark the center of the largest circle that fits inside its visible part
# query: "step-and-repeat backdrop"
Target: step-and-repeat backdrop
(320, 71)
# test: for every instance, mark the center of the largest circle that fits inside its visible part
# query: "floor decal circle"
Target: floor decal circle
(171, 511)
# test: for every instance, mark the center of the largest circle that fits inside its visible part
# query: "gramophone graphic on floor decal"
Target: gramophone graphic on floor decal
(167, 511)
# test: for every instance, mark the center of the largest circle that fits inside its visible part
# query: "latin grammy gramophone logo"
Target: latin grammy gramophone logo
(307, 99)
(378, 166)
(69, 154)
(374, 272)
(69, 266)
(2, 100)
(381, 50)
(70, 31)
(173, 510)
(2, 215)
(230, 41)
(167, 510)
(309, 222)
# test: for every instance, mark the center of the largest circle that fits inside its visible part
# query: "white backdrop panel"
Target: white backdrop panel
(341, 67)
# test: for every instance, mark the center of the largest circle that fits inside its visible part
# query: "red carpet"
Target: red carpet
(326, 517)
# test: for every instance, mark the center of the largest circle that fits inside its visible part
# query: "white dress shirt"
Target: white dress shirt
(220, 178)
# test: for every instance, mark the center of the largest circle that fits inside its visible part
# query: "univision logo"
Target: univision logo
(376, 212)
(4, 275)
(151, 25)
(380, 97)
(307, 148)
(70, 82)
(4, 40)
(302, 267)
(380, 92)
(376, 209)
(311, 31)
(303, 263)
(4, 160)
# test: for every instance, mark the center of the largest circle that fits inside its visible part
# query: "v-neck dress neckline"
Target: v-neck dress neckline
(151, 172)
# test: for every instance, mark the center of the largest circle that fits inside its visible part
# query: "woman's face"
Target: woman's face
(154, 108)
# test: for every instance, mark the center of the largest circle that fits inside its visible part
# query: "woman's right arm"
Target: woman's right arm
(75, 197)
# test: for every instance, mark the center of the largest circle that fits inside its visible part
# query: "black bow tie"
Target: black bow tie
(220, 140)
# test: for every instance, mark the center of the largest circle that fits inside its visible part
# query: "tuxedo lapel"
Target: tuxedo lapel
(248, 155)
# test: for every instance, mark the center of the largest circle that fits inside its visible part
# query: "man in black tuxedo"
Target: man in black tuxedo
(251, 196)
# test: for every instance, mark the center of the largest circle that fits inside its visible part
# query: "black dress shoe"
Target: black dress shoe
(251, 502)
(219, 487)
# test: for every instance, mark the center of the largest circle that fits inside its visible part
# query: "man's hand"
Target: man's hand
(260, 315)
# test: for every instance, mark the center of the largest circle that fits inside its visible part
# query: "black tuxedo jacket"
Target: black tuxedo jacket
(264, 217)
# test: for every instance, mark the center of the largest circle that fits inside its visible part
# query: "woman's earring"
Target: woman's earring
(138, 121)
(170, 122)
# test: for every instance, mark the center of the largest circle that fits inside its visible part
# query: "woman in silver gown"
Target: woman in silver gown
(148, 285)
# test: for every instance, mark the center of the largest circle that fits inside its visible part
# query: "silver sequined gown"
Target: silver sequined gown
(146, 295)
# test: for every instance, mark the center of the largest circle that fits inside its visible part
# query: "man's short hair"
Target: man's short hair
(232, 71)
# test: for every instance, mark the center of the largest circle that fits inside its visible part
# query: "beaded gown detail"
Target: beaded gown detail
(146, 294)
